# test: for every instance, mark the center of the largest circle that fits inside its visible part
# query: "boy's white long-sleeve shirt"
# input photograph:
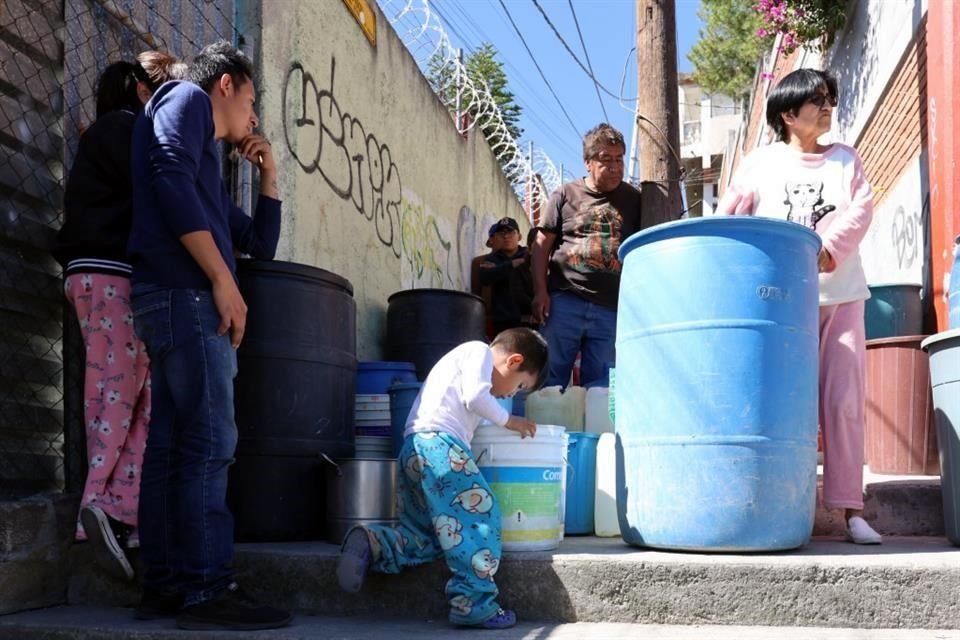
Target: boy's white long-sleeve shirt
(778, 181)
(456, 394)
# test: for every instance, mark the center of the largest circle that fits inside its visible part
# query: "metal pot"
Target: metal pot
(359, 491)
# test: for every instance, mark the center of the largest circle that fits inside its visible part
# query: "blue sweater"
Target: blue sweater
(178, 189)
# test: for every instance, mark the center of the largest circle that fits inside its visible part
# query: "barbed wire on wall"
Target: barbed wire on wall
(533, 175)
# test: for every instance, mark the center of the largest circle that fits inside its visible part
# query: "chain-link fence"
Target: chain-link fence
(51, 53)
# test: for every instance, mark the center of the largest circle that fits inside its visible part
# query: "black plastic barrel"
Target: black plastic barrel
(294, 397)
(424, 324)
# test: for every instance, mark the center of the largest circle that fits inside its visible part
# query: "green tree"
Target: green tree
(726, 56)
(482, 64)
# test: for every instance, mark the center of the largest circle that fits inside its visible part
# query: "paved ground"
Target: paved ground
(77, 623)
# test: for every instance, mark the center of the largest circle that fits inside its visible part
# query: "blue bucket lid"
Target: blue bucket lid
(388, 365)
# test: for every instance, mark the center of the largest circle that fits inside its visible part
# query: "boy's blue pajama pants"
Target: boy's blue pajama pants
(446, 509)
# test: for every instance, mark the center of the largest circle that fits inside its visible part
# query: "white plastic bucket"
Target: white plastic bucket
(527, 478)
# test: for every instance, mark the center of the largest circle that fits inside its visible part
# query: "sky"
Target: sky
(609, 35)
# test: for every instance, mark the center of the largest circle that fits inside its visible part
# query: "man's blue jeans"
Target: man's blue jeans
(575, 325)
(186, 530)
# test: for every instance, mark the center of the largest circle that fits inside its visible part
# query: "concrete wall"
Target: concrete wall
(866, 54)
(880, 65)
(892, 250)
(377, 184)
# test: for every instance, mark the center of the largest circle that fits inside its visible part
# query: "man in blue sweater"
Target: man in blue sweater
(191, 316)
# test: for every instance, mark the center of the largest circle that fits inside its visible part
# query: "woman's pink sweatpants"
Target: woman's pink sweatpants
(116, 394)
(842, 363)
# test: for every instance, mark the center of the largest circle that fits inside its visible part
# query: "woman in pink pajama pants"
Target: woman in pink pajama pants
(91, 246)
(822, 187)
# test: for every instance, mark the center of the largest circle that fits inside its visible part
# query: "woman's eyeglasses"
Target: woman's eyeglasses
(819, 99)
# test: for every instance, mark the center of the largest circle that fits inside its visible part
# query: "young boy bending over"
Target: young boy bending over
(446, 506)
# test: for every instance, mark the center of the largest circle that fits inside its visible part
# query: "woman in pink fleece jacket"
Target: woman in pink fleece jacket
(822, 187)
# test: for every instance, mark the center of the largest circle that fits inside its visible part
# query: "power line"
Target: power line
(640, 116)
(453, 28)
(575, 58)
(515, 77)
(537, 65)
(587, 56)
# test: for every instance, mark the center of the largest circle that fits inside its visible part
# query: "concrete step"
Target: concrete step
(36, 534)
(909, 583)
(79, 623)
(894, 505)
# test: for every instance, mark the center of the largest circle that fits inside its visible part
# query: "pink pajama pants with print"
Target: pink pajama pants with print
(842, 397)
(116, 394)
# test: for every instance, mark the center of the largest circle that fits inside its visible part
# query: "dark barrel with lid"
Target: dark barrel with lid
(294, 396)
(424, 324)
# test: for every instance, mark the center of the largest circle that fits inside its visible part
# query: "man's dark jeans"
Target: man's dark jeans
(186, 530)
(576, 324)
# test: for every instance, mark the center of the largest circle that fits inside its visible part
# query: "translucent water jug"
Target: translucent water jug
(550, 406)
(597, 419)
(605, 520)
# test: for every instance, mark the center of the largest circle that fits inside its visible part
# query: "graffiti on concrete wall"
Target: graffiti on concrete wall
(426, 248)
(906, 233)
(435, 253)
(324, 138)
(892, 250)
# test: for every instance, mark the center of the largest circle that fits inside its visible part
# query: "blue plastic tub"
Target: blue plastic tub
(402, 397)
(581, 483)
(376, 376)
(716, 397)
(893, 311)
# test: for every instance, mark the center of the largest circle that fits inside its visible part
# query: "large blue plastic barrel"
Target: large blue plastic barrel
(716, 403)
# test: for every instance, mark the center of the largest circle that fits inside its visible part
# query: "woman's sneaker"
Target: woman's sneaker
(233, 609)
(859, 532)
(502, 619)
(354, 561)
(102, 533)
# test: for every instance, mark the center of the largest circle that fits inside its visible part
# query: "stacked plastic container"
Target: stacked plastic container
(372, 430)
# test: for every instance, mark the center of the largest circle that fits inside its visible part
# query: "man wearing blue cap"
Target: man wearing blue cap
(507, 272)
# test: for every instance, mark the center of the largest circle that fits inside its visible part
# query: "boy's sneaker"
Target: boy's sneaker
(354, 560)
(502, 619)
(156, 604)
(104, 534)
(233, 609)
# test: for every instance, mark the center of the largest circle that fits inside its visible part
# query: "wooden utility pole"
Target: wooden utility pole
(657, 110)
